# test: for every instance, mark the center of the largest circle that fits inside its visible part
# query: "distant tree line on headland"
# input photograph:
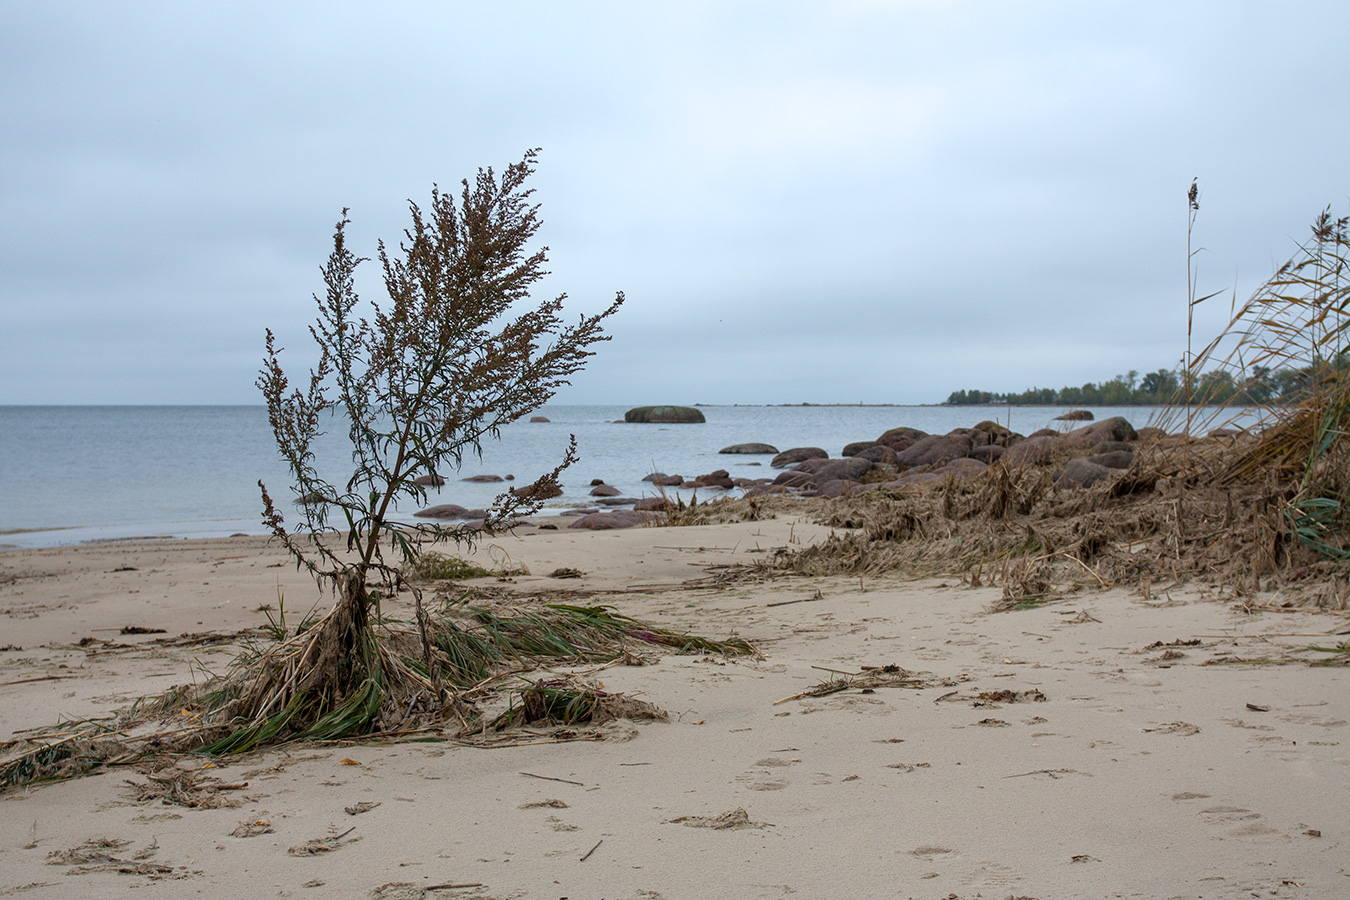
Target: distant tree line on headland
(1260, 384)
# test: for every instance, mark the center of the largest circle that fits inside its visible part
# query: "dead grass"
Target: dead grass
(1186, 510)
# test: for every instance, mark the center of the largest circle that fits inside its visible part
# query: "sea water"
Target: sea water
(77, 473)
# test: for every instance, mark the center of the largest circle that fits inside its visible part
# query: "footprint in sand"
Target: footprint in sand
(1243, 820)
(763, 780)
(932, 853)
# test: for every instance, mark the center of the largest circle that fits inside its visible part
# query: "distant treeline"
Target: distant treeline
(1260, 385)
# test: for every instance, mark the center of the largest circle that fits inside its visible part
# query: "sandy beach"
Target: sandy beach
(1104, 745)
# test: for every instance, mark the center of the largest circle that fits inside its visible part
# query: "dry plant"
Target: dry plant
(419, 382)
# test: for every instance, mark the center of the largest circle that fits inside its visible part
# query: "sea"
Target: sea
(71, 474)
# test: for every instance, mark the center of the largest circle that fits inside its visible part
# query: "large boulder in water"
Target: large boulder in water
(857, 447)
(901, 438)
(537, 492)
(796, 455)
(451, 511)
(718, 479)
(664, 415)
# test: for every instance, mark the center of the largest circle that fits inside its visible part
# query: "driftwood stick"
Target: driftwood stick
(551, 778)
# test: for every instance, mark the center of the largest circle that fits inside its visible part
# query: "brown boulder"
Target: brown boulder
(961, 469)
(987, 453)
(1115, 428)
(619, 518)
(796, 455)
(605, 490)
(1032, 451)
(877, 453)
(718, 479)
(858, 447)
(664, 415)
(901, 438)
(1081, 473)
(1114, 459)
(483, 478)
(537, 492)
(935, 449)
(539, 418)
(996, 434)
(450, 511)
(822, 470)
(429, 480)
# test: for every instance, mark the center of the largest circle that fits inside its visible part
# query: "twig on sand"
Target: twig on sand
(452, 887)
(551, 778)
(592, 850)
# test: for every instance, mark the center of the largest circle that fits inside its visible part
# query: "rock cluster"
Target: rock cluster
(904, 456)
(900, 457)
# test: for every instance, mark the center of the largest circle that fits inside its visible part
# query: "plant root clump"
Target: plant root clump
(471, 655)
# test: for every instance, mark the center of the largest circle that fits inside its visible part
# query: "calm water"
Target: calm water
(76, 473)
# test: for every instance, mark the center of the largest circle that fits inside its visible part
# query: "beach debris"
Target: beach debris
(364, 806)
(140, 629)
(174, 786)
(816, 596)
(551, 778)
(322, 845)
(732, 818)
(398, 890)
(995, 698)
(1184, 729)
(993, 723)
(540, 804)
(1159, 645)
(1053, 774)
(592, 850)
(566, 572)
(868, 679)
(252, 829)
(97, 855)
(569, 701)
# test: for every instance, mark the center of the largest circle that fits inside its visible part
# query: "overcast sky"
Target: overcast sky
(804, 201)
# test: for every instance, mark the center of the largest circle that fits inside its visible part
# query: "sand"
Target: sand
(1143, 771)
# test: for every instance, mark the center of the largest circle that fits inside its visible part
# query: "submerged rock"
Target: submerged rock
(751, 448)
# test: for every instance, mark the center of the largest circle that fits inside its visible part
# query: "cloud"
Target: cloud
(799, 199)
